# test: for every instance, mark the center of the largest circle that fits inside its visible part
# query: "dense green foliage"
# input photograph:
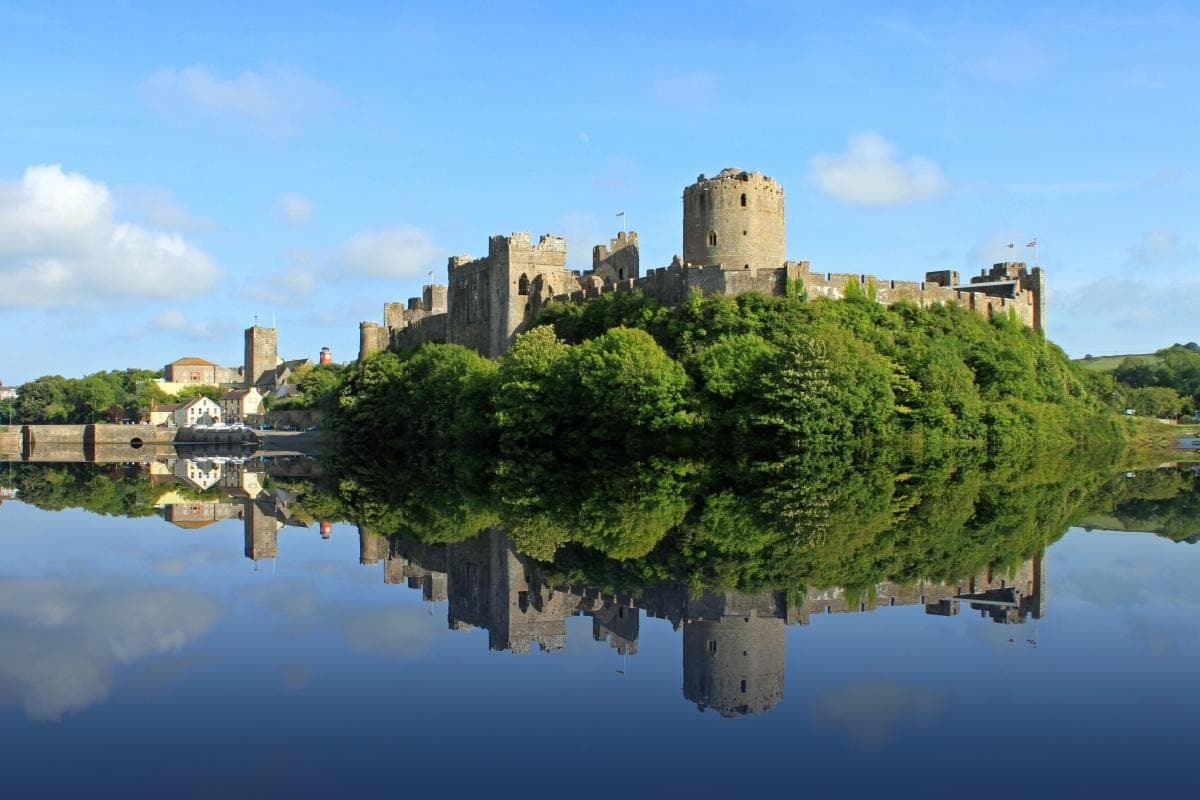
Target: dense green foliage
(317, 386)
(102, 396)
(742, 442)
(753, 378)
(1170, 383)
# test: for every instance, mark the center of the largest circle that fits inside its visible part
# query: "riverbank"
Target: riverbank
(1152, 442)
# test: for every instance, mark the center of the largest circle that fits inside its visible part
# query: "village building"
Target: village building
(192, 371)
(242, 405)
(162, 413)
(197, 411)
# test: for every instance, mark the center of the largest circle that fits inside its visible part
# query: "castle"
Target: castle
(734, 241)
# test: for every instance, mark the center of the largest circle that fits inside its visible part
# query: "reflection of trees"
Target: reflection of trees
(804, 520)
(112, 491)
(1163, 501)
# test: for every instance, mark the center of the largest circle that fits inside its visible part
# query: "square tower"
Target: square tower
(262, 355)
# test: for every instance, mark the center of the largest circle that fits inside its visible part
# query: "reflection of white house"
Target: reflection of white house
(238, 480)
(198, 411)
(242, 405)
(198, 474)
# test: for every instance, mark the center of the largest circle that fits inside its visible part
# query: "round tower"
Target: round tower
(735, 220)
(734, 664)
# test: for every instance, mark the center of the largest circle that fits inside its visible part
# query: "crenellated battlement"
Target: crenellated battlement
(733, 237)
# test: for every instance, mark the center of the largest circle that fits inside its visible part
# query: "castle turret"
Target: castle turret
(619, 259)
(735, 220)
(734, 664)
(372, 338)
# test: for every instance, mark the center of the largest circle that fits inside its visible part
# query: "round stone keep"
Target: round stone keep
(734, 220)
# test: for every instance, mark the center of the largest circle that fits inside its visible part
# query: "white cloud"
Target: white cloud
(870, 175)
(277, 103)
(295, 283)
(293, 208)
(60, 245)
(160, 208)
(402, 251)
(179, 322)
(870, 710)
(61, 641)
(1160, 245)
(1123, 315)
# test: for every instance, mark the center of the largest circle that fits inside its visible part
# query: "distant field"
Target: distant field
(1109, 363)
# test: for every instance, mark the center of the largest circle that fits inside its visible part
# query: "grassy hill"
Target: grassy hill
(1109, 363)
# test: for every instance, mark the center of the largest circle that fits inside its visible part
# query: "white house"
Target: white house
(197, 411)
(242, 405)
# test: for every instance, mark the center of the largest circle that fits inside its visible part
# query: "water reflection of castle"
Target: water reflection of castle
(733, 642)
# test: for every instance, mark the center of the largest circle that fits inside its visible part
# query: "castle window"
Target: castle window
(523, 285)
(712, 238)
(743, 199)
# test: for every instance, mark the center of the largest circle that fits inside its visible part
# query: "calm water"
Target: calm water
(222, 647)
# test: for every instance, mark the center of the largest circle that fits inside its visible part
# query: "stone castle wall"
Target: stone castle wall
(733, 243)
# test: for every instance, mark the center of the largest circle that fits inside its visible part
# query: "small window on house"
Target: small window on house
(712, 647)
(712, 238)
(743, 206)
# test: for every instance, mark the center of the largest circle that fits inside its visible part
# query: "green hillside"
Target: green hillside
(1109, 363)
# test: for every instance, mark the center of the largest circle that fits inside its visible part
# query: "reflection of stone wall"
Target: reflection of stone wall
(261, 533)
(734, 643)
(734, 664)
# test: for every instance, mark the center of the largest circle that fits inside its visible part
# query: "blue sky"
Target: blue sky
(169, 173)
